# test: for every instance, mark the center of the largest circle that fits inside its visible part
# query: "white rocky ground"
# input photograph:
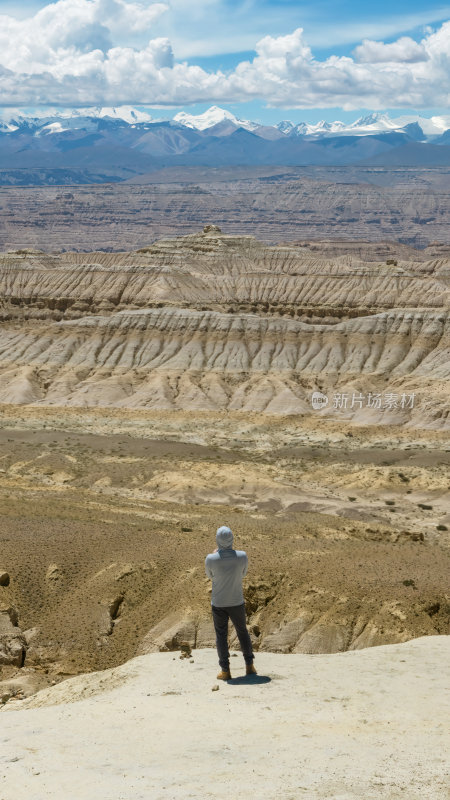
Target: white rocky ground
(350, 726)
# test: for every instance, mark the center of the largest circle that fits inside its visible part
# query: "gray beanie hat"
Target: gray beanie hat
(224, 537)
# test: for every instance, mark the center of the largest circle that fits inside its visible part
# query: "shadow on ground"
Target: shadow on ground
(249, 679)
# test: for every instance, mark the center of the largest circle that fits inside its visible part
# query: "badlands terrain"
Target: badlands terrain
(408, 205)
(148, 396)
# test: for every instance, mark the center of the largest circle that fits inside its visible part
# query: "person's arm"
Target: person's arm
(208, 569)
(244, 571)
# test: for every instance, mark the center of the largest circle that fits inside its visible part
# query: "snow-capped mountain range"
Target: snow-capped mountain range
(365, 126)
(98, 143)
(57, 120)
(68, 118)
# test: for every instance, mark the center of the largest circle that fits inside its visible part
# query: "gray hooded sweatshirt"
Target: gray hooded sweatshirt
(226, 568)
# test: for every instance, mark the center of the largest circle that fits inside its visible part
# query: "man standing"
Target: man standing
(226, 568)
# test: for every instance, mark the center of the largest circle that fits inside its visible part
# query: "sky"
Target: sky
(266, 61)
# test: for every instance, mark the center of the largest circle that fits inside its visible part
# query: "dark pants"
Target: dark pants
(237, 616)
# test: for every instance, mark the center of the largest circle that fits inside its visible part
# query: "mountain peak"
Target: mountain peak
(371, 119)
(125, 113)
(212, 116)
(201, 122)
(285, 126)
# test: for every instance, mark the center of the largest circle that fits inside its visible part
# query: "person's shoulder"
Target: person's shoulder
(211, 556)
(241, 553)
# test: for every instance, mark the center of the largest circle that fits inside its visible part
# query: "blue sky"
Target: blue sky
(79, 50)
(330, 27)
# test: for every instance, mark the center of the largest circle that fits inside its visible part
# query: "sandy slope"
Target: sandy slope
(368, 724)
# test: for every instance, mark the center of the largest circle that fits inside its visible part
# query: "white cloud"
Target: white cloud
(72, 53)
(285, 73)
(404, 50)
(63, 30)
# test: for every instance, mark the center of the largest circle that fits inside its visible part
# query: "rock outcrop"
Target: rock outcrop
(13, 644)
(178, 628)
(4, 578)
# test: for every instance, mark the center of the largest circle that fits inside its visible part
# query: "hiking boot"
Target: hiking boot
(250, 670)
(224, 675)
